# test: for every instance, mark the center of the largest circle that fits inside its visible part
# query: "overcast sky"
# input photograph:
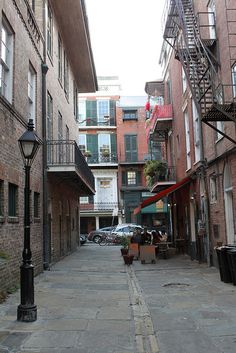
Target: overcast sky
(126, 39)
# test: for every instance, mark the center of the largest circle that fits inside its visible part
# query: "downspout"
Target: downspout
(203, 177)
(46, 243)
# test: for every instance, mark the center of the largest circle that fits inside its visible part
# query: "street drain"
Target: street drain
(177, 284)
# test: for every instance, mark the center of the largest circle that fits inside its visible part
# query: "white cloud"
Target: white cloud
(126, 39)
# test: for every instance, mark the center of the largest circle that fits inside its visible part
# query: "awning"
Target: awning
(162, 194)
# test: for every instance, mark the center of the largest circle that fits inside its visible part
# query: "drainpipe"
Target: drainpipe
(44, 67)
(203, 177)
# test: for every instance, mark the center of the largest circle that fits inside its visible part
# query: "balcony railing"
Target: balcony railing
(99, 206)
(169, 176)
(140, 158)
(97, 158)
(64, 153)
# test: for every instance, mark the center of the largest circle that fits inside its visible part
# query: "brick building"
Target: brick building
(41, 72)
(198, 59)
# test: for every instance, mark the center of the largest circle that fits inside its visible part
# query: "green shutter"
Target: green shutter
(131, 154)
(124, 178)
(91, 113)
(92, 146)
(138, 177)
(113, 148)
(112, 113)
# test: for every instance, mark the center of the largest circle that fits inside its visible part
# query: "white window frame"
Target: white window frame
(196, 127)
(187, 139)
(211, 18)
(184, 80)
(31, 93)
(82, 112)
(131, 176)
(49, 32)
(84, 200)
(102, 110)
(213, 189)
(103, 146)
(234, 79)
(82, 142)
(6, 64)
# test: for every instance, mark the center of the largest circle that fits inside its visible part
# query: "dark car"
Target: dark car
(97, 234)
(83, 239)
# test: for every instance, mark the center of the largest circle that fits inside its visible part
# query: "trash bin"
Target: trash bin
(231, 254)
(225, 274)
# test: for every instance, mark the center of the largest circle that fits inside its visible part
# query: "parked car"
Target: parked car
(97, 234)
(127, 229)
(83, 239)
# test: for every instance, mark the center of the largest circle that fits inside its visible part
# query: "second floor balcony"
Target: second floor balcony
(98, 207)
(104, 158)
(66, 162)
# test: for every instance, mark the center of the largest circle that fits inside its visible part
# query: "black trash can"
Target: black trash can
(224, 267)
(231, 254)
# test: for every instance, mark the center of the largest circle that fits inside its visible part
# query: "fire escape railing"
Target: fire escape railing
(200, 66)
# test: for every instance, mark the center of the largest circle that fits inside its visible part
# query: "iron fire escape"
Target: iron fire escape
(214, 101)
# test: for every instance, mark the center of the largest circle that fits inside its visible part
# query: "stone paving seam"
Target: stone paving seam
(144, 333)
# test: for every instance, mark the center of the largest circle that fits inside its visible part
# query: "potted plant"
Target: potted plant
(153, 168)
(87, 154)
(105, 153)
(128, 259)
(125, 246)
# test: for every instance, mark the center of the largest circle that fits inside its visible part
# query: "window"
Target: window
(60, 137)
(213, 189)
(234, 79)
(49, 32)
(130, 115)
(36, 204)
(59, 59)
(12, 200)
(184, 81)
(105, 183)
(220, 127)
(49, 116)
(75, 101)
(211, 19)
(187, 140)
(66, 76)
(82, 112)
(31, 93)
(104, 145)
(84, 199)
(196, 126)
(103, 110)
(131, 178)
(32, 4)
(82, 142)
(1, 198)
(131, 153)
(6, 65)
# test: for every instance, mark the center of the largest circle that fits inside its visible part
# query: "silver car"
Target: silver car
(124, 230)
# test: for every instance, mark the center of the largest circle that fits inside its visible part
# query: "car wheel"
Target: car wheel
(96, 239)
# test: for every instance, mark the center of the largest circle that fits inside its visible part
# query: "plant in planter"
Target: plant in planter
(153, 168)
(128, 259)
(125, 245)
(105, 153)
(87, 154)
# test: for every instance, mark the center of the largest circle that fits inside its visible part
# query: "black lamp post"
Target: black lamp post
(29, 144)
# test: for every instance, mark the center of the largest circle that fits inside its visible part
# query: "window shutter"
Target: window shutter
(138, 177)
(112, 113)
(92, 145)
(113, 148)
(91, 113)
(124, 178)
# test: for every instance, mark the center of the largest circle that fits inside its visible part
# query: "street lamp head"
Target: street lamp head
(29, 144)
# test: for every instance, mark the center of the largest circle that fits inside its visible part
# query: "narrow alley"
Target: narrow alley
(90, 302)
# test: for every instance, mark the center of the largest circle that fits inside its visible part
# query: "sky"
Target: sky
(126, 40)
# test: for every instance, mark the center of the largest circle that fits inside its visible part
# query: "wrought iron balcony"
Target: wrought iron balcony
(98, 207)
(138, 158)
(158, 179)
(66, 161)
(102, 158)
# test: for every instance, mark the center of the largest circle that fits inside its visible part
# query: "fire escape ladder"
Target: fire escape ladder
(199, 66)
